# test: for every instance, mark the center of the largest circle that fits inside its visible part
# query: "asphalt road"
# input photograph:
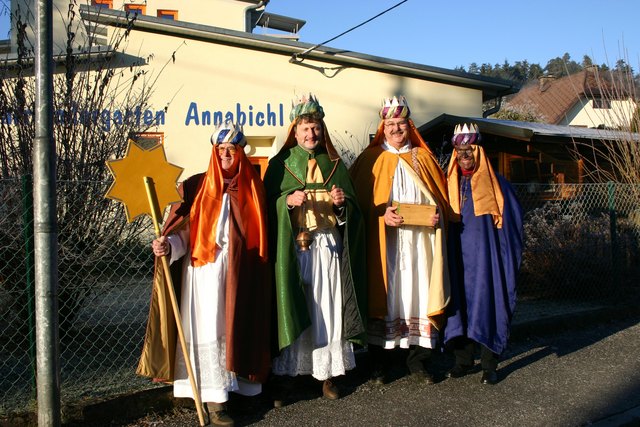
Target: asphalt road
(582, 376)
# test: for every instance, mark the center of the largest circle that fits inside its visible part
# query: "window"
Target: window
(602, 103)
(523, 170)
(260, 163)
(168, 14)
(137, 9)
(102, 4)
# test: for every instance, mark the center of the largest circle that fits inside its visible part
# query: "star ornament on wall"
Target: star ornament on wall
(129, 175)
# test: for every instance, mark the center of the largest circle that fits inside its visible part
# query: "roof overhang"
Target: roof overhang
(491, 87)
(526, 131)
(92, 55)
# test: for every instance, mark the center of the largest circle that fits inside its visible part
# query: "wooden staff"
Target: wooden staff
(155, 214)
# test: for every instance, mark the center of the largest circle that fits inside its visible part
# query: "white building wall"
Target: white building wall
(247, 83)
(229, 14)
(26, 11)
(220, 13)
(256, 88)
(618, 116)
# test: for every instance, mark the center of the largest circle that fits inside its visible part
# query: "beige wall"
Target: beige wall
(229, 14)
(26, 11)
(619, 115)
(218, 78)
(220, 13)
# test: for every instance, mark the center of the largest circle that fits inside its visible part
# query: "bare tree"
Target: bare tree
(100, 96)
(614, 159)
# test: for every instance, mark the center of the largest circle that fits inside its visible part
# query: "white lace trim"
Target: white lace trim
(209, 367)
(322, 363)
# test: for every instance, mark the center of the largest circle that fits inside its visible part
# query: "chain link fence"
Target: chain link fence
(581, 248)
(104, 289)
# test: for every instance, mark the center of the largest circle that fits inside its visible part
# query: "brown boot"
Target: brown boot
(330, 391)
(218, 414)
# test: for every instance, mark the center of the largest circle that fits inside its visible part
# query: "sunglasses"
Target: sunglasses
(231, 150)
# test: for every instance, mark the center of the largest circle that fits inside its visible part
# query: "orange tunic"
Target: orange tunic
(373, 174)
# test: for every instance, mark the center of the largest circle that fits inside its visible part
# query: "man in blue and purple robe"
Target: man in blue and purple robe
(485, 242)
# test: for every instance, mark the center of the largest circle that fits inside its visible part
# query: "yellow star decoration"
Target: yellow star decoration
(129, 174)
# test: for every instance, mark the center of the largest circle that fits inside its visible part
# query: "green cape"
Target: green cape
(286, 173)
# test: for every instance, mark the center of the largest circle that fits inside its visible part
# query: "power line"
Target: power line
(296, 56)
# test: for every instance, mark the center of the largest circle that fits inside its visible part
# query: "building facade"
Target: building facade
(208, 66)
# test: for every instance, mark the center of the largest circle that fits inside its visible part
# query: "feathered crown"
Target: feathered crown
(229, 132)
(395, 107)
(307, 104)
(466, 134)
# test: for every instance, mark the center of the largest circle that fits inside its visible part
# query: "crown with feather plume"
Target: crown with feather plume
(306, 104)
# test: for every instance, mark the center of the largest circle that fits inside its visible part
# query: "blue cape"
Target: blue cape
(484, 264)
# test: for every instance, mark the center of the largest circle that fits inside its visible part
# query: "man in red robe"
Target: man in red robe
(217, 243)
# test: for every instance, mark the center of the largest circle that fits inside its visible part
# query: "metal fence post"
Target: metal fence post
(45, 224)
(614, 234)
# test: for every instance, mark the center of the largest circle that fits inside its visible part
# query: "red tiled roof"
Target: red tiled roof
(552, 98)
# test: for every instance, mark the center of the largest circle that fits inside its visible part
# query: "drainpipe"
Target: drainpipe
(247, 15)
(493, 109)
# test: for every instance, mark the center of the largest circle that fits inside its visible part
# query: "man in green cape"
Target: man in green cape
(317, 245)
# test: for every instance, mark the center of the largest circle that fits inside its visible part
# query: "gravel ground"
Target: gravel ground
(586, 375)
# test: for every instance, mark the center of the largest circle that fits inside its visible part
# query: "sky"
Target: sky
(449, 34)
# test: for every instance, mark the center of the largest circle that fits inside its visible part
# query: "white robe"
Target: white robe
(202, 310)
(320, 350)
(409, 260)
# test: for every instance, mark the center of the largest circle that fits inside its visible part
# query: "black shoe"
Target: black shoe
(378, 377)
(422, 376)
(489, 377)
(459, 371)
